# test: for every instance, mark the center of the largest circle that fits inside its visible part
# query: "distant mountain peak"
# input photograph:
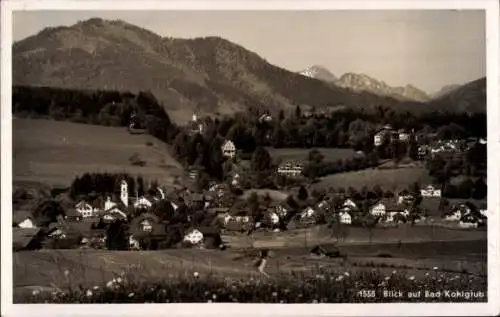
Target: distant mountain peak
(360, 82)
(319, 72)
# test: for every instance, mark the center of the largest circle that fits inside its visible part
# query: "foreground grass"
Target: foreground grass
(320, 286)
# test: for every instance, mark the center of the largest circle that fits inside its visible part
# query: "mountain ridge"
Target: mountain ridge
(360, 82)
(207, 73)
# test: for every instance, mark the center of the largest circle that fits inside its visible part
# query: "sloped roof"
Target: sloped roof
(147, 215)
(21, 215)
(21, 237)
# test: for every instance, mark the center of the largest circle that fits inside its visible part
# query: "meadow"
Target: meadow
(91, 276)
(388, 179)
(54, 152)
(330, 154)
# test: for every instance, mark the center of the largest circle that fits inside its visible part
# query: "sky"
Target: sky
(428, 49)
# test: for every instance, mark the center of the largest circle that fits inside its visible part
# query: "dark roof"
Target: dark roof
(71, 212)
(21, 237)
(208, 230)
(20, 215)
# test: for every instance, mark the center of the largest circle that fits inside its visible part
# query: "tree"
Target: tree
(302, 195)
(47, 212)
(261, 160)
(480, 189)
(377, 189)
(298, 111)
(140, 186)
(315, 157)
(339, 230)
(163, 210)
(116, 237)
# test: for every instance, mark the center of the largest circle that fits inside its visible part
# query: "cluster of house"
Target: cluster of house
(85, 224)
(463, 214)
(454, 146)
(388, 134)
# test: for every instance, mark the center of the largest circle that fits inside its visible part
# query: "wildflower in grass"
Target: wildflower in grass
(209, 301)
(394, 272)
(347, 274)
(435, 268)
(66, 273)
(315, 301)
(196, 274)
(214, 296)
(35, 292)
(387, 278)
(130, 295)
(119, 280)
(110, 283)
(411, 278)
(340, 278)
(275, 294)
(281, 302)
(88, 293)
(427, 274)
(96, 287)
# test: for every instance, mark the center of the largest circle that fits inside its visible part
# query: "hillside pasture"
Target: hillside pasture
(54, 152)
(388, 179)
(330, 154)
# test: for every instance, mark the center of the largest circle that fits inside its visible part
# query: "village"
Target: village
(220, 210)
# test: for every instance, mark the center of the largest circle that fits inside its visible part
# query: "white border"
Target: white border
(490, 308)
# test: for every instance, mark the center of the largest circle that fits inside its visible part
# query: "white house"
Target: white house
(430, 191)
(133, 243)
(455, 216)
(146, 225)
(467, 224)
(378, 210)
(228, 149)
(349, 203)
(281, 211)
(378, 139)
(265, 118)
(483, 212)
(142, 202)
(124, 192)
(403, 135)
(108, 204)
(22, 219)
(345, 218)
(307, 213)
(273, 217)
(194, 237)
(235, 180)
(290, 169)
(84, 209)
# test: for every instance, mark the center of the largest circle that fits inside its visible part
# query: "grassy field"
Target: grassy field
(355, 236)
(388, 179)
(54, 152)
(330, 154)
(274, 194)
(51, 268)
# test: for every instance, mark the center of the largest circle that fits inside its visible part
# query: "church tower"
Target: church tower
(124, 192)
